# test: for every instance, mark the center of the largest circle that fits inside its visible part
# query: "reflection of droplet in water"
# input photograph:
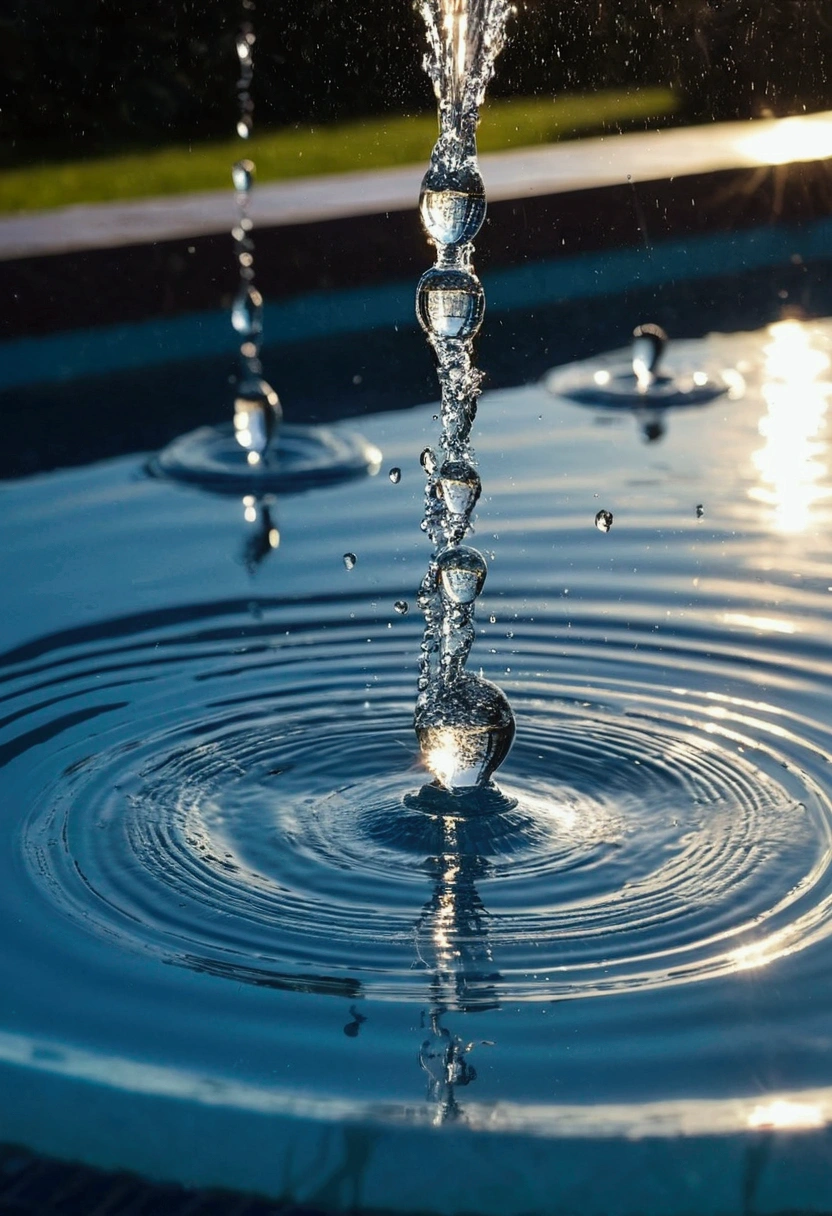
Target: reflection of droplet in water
(242, 175)
(603, 521)
(395, 476)
(257, 415)
(700, 510)
(465, 730)
(450, 303)
(452, 204)
(462, 572)
(460, 485)
(349, 560)
(247, 313)
(401, 607)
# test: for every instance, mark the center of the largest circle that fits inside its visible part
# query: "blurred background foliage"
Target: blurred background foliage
(89, 78)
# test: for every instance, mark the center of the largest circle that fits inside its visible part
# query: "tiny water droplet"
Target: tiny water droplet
(247, 313)
(450, 303)
(603, 521)
(349, 560)
(427, 460)
(395, 476)
(257, 415)
(242, 175)
(401, 607)
(493, 619)
(462, 571)
(700, 510)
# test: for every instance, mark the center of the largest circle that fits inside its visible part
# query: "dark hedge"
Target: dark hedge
(83, 76)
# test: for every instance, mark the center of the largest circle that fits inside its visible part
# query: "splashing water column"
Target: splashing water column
(464, 723)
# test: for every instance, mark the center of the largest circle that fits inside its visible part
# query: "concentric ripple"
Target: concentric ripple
(229, 795)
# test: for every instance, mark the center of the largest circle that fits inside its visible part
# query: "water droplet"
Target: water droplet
(247, 313)
(427, 459)
(401, 607)
(493, 619)
(465, 731)
(450, 303)
(244, 128)
(462, 572)
(649, 342)
(603, 521)
(452, 203)
(257, 414)
(460, 486)
(242, 175)
(700, 510)
(349, 560)
(395, 476)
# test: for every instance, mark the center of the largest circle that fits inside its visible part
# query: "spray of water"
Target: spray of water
(257, 411)
(464, 723)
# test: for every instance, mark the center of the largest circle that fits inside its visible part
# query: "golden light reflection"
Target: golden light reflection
(781, 1114)
(792, 139)
(792, 462)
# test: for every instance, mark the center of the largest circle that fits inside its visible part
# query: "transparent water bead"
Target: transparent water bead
(257, 415)
(395, 476)
(603, 521)
(427, 459)
(460, 486)
(649, 342)
(247, 313)
(462, 572)
(349, 561)
(465, 730)
(450, 303)
(242, 175)
(452, 203)
(401, 606)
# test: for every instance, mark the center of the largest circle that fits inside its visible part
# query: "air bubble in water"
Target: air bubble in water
(452, 204)
(349, 560)
(257, 415)
(450, 303)
(465, 730)
(401, 607)
(700, 510)
(603, 521)
(460, 486)
(395, 476)
(247, 313)
(242, 175)
(462, 572)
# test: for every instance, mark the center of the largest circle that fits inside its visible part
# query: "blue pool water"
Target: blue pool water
(221, 879)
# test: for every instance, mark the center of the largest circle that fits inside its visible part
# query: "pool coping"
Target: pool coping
(521, 173)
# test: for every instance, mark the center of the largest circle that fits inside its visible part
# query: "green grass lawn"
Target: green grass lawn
(303, 152)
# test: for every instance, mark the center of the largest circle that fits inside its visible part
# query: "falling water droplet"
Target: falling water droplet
(465, 731)
(452, 203)
(450, 303)
(349, 560)
(247, 313)
(427, 460)
(460, 486)
(700, 510)
(395, 476)
(462, 572)
(257, 415)
(242, 175)
(401, 607)
(603, 521)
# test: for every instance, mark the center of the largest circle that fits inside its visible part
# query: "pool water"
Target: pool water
(223, 879)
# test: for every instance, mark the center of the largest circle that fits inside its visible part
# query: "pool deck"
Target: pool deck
(524, 173)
